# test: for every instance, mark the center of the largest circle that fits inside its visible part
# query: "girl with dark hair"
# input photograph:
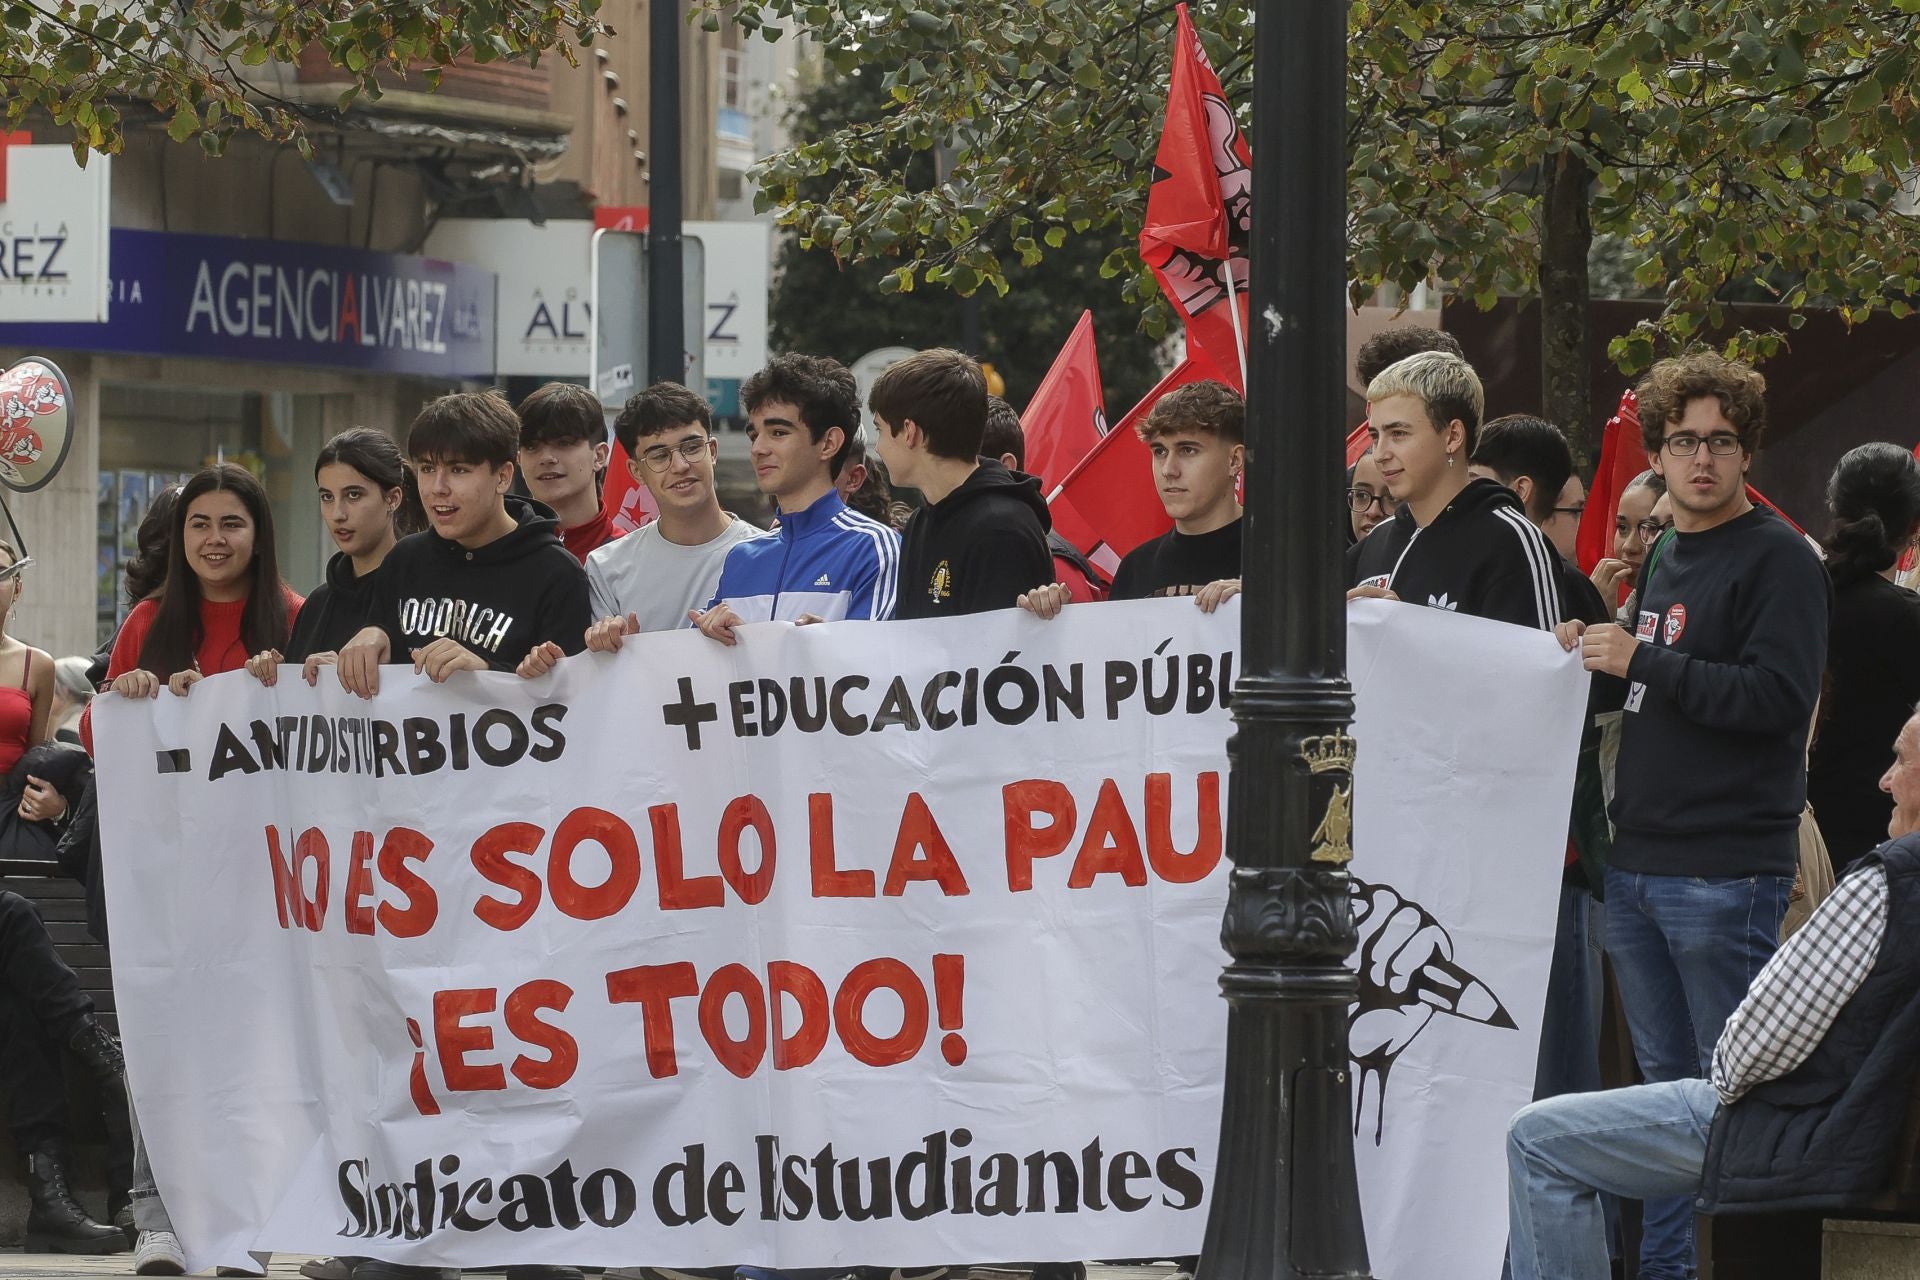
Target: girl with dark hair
(1873, 680)
(368, 499)
(143, 574)
(222, 599)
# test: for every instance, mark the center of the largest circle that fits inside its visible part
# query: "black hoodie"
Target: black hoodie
(1481, 555)
(976, 549)
(336, 611)
(500, 600)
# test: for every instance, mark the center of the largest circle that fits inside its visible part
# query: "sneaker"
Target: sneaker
(668, 1273)
(328, 1268)
(159, 1254)
(541, 1271)
(375, 1269)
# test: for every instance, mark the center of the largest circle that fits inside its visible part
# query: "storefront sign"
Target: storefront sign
(738, 262)
(53, 236)
(285, 302)
(544, 317)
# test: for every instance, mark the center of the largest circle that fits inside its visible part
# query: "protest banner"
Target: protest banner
(867, 943)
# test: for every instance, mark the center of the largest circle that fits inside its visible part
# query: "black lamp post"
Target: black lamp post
(1285, 1199)
(666, 285)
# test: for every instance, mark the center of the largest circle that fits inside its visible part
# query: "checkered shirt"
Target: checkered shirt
(1792, 1004)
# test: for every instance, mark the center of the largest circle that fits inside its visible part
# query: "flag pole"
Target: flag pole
(1233, 314)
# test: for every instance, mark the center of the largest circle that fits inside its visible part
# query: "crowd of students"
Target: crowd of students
(1710, 630)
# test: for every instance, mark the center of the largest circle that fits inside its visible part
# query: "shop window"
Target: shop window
(152, 437)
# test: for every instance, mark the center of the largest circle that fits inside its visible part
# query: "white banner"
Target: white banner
(866, 943)
(53, 235)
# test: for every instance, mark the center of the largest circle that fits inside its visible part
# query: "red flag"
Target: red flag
(1067, 415)
(1200, 209)
(1109, 504)
(1622, 457)
(629, 502)
(1359, 440)
(1760, 499)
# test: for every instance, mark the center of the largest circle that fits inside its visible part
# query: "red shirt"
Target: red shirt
(221, 647)
(597, 532)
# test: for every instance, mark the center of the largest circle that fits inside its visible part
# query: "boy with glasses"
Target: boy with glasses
(1723, 667)
(650, 579)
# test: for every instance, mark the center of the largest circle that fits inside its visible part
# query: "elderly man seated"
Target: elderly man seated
(1810, 1079)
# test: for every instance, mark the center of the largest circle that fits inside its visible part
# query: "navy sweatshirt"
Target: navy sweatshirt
(979, 548)
(1712, 775)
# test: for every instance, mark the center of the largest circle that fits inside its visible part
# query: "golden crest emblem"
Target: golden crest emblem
(1333, 753)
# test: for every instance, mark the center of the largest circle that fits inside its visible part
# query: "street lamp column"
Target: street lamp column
(1285, 1200)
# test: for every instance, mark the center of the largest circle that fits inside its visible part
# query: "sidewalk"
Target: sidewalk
(15, 1265)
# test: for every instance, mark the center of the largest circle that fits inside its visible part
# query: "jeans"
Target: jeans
(1685, 949)
(149, 1213)
(1648, 1142)
(1569, 1060)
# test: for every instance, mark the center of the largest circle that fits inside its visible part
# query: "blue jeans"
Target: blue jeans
(1685, 949)
(1645, 1143)
(1569, 1060)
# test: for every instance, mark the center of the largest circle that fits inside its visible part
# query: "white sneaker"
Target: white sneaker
(159, 1254)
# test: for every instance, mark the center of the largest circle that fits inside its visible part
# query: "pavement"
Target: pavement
(16, 1265)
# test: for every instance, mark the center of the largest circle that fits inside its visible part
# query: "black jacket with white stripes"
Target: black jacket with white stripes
(1481, 555)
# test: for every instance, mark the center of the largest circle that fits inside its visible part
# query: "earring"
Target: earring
(1449, 459)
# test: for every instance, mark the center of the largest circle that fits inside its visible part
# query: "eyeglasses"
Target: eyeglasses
(1650, 530)
(1361, 501)
(15, 569)
(660, 457)
(1720, 444)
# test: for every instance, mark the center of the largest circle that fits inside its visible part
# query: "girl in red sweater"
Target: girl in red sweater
(223, 597)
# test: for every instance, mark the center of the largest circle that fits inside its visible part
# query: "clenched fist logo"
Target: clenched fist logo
(1407, 975)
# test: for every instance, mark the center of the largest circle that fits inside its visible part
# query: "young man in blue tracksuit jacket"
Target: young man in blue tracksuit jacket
(827, 561)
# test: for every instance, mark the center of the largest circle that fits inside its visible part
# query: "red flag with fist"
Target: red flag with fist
(1200, 209)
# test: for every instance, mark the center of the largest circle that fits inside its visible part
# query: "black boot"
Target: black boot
(55, 1221)
(92, 1044)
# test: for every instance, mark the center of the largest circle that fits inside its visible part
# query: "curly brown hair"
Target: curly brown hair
(1205, 408)
(1674, 383)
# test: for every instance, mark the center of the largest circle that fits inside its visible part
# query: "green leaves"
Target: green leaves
(194, 63)
(1736, 150)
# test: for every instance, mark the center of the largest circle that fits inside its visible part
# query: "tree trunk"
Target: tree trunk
(1566, 380)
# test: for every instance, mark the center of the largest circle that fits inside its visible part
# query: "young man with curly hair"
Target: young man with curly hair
(1722, 668)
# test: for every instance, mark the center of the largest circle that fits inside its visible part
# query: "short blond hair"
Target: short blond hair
(1440, 380)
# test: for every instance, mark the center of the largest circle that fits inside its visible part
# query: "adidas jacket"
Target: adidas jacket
(827, 560)
(1481, 555)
